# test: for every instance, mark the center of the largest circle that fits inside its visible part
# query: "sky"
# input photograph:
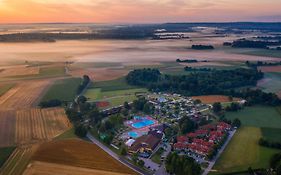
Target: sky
(138, 11)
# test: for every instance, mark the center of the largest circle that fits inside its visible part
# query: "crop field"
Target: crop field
(271, 134)
(271, 82)
(243, 151)
(18, 160)
(44, 168)
(7, 128)
(64, 90)
(99, 74)
(4, 88)
(18, 70)
(270, 68)
(5, 153)
(209, 99)
(23, 95)
(40, 124)
(86, 155)
(258, 116)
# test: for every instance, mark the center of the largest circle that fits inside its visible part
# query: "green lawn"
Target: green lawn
(271, 134)
(243, 151)
(258, 116)
(5, 153)
(64, 90)
(5, 88)
(157, 156)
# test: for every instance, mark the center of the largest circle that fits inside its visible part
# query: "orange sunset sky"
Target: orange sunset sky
(138, 11)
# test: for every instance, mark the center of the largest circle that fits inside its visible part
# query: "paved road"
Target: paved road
(114, 155)
(212, 163)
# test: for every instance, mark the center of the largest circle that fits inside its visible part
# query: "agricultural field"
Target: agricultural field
(44, 168)
(271, 82)
(210, 99)
(69, 134)
(5, 87)
(270, 68)
(7, 128)
(18, 160)
(243, 151)
(99, 74)
(18, 70)
(23, 95)
(86, 155)
(117, 84)
(40, 124)
(64, 90)
(271, 134)
(5, 153)
(258, 116)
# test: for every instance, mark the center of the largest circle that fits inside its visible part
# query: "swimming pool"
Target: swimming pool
(133, 134)
(143, 123)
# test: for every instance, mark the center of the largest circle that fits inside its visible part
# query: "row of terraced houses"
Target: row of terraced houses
(204, 140)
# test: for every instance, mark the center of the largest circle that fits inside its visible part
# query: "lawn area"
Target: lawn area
(157, 156)
(5, 88)
(258, 116)
(5, 153)
(112, 85)
(64, 90)
(271, 134)
(243, 151)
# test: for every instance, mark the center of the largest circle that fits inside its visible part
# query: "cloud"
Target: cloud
(137, 11)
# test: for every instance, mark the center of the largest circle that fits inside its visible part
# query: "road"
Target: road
(212, 163)
(114, 155)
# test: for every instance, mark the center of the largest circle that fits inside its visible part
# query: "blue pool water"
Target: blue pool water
(143, 123)
(133, 134)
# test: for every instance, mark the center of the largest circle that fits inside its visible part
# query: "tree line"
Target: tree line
(225, 82)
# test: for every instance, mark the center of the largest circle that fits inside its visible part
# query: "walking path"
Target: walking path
(114, 155)
(212, 163)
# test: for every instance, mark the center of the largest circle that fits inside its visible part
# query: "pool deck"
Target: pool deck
(142, 130)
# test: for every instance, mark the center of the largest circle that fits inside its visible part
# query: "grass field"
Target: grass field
(115, 97)
(5, 153)
(112, 85)
(258, 116)
(69, 134)
(116, 92)
(4, 88)
(271, 134)
(243, 151)
(64, 90)
(78, 153)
